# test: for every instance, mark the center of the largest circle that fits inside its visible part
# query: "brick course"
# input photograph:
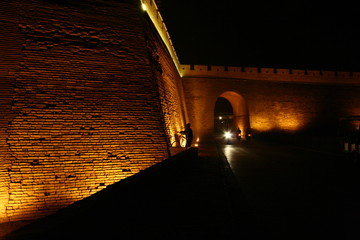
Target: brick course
(169, 85)
(82, 109)
(89, 95)
(274, 106)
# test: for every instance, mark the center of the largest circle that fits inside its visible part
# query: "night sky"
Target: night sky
(288, 34)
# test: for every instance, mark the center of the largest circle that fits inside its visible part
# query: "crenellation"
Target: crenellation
(282, 71)
(355, 75)
(272, 74)
(314, 73)
(267, 70)
(201, 68)
(298, 72)
(251, 70)
(86, 105)
(344, 74)
(328, 73)
(234, 69)
(217, 68)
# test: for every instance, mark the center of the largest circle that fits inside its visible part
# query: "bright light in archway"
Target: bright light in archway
(227, 135)
(143, 5)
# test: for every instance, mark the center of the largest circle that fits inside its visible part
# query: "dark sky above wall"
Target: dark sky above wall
(287, 34)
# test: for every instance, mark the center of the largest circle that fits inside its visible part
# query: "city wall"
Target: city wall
(82, 101)
(272, 74)
(273, 100)
(91, 93)
(170, 86)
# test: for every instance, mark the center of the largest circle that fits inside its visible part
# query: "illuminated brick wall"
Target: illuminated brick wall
(10, 49)
(169, 85)
(290, 100)
(89, 95)
(274, 105)
(80, 106)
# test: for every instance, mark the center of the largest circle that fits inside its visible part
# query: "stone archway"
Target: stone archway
(240, 110)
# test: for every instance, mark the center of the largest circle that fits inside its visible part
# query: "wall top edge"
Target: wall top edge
(150, 7)
(191, 70)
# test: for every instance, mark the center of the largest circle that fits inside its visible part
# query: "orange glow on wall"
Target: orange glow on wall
(3, 203)
(289, 122)
(261, 123)
(283, 121)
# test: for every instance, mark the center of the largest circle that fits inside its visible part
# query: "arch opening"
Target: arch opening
(231, 112)
(223, 116)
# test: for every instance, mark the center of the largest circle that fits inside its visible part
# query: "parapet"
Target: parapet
(271, 74)
(150, 7)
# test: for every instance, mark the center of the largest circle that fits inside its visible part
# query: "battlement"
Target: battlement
(253, 73)
(150, 7)
(271, 74)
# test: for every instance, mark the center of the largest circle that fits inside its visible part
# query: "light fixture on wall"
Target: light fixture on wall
(143, 6)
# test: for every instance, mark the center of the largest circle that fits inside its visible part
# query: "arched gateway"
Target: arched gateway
(201, 98)
(240, 110)
(269, 100)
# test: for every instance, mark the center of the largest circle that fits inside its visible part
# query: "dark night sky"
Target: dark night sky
(288, 34)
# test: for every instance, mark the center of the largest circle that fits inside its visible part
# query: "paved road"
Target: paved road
(297, 193)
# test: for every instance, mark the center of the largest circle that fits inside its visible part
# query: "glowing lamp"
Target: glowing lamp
(227, 135)
(143, 5)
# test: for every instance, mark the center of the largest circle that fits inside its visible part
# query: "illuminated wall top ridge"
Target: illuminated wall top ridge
(150, 7)
(188, 70)
(271, 74)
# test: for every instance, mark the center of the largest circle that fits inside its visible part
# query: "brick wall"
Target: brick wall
(312, 108)
(169, 84)
(82, 110)
(274, 106)
(89, 95)
(10, 46)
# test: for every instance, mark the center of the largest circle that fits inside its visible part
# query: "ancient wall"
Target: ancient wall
(80, 106)
(274, 105)
(10, 49)
(90, 94)
(169, 85)
(271, 74)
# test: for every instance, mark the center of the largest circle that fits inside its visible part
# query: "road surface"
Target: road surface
(295, 192)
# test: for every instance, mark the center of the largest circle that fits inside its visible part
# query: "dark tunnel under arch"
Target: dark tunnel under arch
(239, 112)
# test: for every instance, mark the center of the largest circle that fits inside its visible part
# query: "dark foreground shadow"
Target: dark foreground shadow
(185, 197)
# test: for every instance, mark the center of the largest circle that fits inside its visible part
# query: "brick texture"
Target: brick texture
(80, 105)
(274, 106)
(169, 85)
(89, 95)
(10, 49)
